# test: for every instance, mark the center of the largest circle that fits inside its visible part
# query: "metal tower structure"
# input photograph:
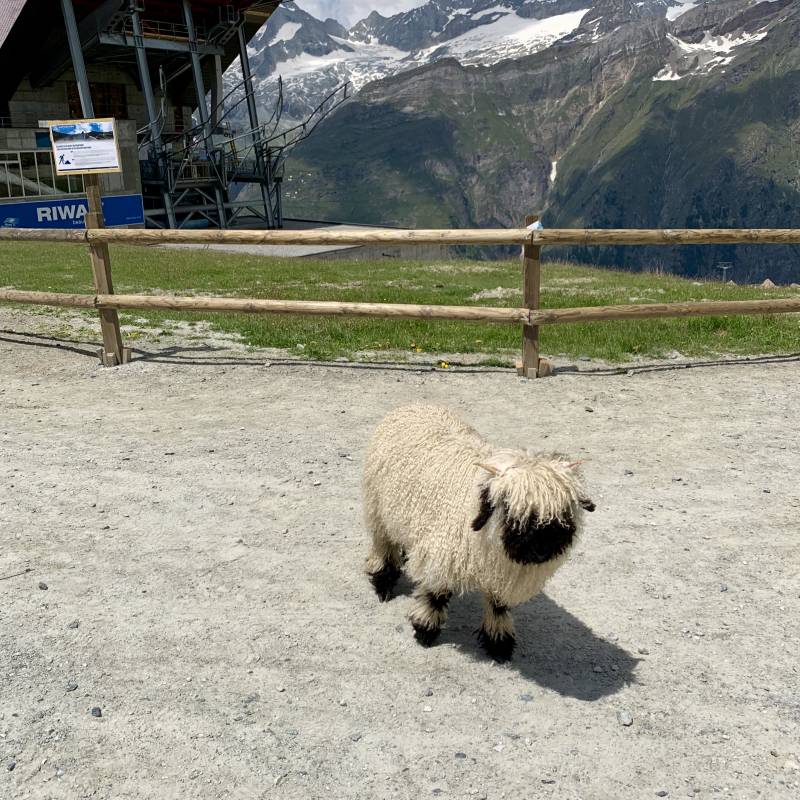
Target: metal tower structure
(196, 170)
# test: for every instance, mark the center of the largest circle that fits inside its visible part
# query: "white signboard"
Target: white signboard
(85, 145)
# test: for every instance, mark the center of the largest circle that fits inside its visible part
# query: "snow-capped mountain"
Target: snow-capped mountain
(314, 56)
(606, 113)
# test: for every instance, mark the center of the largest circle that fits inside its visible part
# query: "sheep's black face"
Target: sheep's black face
(532, 542)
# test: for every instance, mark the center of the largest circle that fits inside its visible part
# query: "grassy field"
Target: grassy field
(65, 268)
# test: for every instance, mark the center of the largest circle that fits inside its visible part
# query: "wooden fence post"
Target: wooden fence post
(113, 353)
(531, 280)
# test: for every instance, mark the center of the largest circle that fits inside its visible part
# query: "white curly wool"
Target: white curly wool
(422, 486)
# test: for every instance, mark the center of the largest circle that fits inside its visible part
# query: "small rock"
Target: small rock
(59, 772)
(436, 792)
(584, 358)
(427, 708)
(74, 624)
(677, 479)
(499, 747)
(597, 669)
(662, 793)
(723, 587)
(791, 766)
(10, 766)
(343, 703)
(629, 472)
(355, 736)
(643, 651)
(548, 780)
(589, 409)
(96, 712)
(317, 483)
(72, 686)
(461, 755)
(42, 585)
(281, 689)
(773, 753)
(624, 718)
(526, 698)
(428, 693)
(768, 284)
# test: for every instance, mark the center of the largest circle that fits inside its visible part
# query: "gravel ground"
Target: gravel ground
(190, 526)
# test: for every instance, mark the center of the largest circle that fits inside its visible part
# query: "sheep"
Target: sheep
(459, 515)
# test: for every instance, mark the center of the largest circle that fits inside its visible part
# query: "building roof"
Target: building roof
(33, 40)
(9, 11)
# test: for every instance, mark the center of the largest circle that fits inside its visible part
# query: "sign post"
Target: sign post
(89, 148)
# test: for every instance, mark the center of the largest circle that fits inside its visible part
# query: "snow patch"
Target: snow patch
(682, 7)
(510, 36)
(285, 33)
(553, 172)
(705, 56)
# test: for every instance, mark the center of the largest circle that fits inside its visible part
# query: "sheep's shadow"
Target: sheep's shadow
(554, 648)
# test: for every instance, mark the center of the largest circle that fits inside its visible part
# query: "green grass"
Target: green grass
(65, 268)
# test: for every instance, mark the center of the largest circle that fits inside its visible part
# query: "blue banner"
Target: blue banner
(123, 209)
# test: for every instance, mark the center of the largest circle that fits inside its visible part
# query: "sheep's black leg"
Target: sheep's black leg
(384, 563)
(428, 615)
(384, 579)
(496, 634)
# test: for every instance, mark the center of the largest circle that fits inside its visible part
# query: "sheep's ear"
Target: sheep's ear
(586, 504)
(486, 510)
(490, 468)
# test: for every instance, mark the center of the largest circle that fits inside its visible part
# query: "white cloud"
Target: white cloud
(348, 12)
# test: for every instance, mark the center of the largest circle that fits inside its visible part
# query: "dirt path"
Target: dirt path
(198, 515)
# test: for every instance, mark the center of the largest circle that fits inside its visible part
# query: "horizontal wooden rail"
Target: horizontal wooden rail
(715, 308)
(487, 236)
(314, 308)
(404, 311)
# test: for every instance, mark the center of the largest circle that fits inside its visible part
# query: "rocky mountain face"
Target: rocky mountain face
(599, 113)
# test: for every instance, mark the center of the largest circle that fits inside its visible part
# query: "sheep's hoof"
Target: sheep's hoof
(425, 636)
(500, 648)
(384, 580)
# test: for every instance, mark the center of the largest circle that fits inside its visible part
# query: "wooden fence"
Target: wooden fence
(530, 316)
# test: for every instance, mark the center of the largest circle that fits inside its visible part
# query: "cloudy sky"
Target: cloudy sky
(348, 12)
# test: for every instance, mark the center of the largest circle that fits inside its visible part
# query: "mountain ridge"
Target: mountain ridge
(639, 115)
